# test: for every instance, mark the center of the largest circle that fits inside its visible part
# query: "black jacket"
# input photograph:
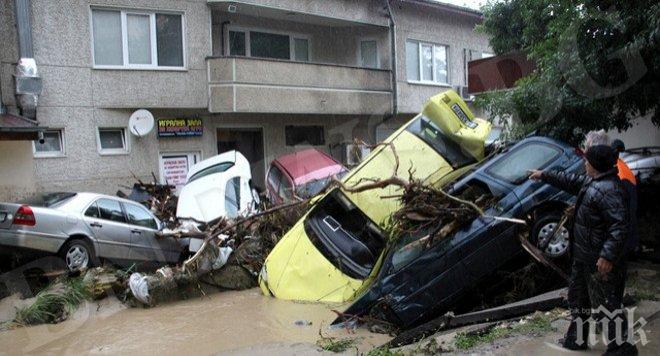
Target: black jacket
(601, 214)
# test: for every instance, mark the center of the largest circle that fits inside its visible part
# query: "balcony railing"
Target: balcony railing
(257, 85)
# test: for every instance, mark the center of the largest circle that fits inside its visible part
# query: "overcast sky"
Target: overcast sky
(473, 4)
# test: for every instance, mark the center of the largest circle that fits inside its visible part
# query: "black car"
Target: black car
(418, 282)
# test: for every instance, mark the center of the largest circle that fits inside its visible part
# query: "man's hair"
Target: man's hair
(595, 138)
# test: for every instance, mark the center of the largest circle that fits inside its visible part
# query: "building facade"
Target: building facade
(262, 76)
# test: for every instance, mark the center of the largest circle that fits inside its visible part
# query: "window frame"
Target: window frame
(113, 151)
(434, 81)
(292, 37)
(152, 37)
(125, 206)
(359, 52)
(51, 154)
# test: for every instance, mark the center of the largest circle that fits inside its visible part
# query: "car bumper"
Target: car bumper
(31, 240)
(296, 270)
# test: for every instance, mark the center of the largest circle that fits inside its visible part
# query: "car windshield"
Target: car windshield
(216, 168)
(314, 187)
(48, 200)
(430, 133)
(515, 165)
(344, 235)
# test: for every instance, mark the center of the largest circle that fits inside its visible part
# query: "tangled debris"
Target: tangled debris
(249, 238)
(159, 198)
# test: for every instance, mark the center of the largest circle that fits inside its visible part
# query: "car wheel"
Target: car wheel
(542, 231)
(79, 254)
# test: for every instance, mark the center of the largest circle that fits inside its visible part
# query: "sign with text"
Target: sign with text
(180, 127)
(175, 169)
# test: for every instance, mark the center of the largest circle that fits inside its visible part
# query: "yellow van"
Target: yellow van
(331, 252)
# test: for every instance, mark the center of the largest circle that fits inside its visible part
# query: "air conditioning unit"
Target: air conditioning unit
(353, 154)
(462, 90)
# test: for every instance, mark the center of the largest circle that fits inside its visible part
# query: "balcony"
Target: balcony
(258, 85)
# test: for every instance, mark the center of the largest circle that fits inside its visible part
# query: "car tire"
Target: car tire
(79, 254)
(543, 226)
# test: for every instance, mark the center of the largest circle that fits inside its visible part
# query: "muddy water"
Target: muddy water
(228, 321)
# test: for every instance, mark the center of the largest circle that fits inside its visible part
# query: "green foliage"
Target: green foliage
(597, 63)
(382, 351)
(333, 344)
(537, 324)
(54, 303)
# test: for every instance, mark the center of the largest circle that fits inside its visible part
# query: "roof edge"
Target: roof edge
(444, 6)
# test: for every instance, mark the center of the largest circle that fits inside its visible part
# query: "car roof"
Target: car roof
(298, 165)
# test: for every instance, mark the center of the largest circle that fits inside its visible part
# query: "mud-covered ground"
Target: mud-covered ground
(248, 323)
(245, 321)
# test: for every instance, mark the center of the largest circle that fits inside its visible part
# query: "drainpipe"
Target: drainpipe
(395, 91)
(223, 27)
(27, 80)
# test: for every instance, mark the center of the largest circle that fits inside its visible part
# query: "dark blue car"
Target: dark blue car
(418, 282)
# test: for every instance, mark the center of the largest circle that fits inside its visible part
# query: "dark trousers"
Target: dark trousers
(588, 290)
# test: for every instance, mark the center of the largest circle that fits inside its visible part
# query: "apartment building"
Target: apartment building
(265, 77)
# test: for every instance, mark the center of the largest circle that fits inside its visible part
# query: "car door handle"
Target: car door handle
(95, 224)
(136, 231)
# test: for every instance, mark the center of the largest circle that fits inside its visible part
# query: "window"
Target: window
(137, 39)
(368, 54)
(304, 135)
(110, 210)
(514, 166)
(48, 200)
(264, 44)
(139, 216)
(286, 190)
(426, 62)
(314, 187)
(269, 45)
(93, 211)
(233, 197)
(430, 133)
(216, 168)
(275, 179)
(301, 49)
(112, 141)
(53, 145)
(237, 43)
(344, 235)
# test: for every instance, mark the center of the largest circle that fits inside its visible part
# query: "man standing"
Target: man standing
(630, 183)
(600, 232)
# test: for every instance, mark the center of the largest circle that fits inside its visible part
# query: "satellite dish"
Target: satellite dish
(141, 122)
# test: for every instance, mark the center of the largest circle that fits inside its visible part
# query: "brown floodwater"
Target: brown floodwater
(245, 322)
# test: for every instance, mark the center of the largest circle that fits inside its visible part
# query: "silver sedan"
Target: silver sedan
(84, 228)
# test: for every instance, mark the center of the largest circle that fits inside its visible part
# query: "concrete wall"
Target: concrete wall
(428, 24)
(79, 98)
(364, 11)
(643, 134)
(18, 181)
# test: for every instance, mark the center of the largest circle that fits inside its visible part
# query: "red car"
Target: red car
(302, 174)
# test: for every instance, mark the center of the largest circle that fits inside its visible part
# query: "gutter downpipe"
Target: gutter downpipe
(395, 91)
(393, 62)
(28, 83)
